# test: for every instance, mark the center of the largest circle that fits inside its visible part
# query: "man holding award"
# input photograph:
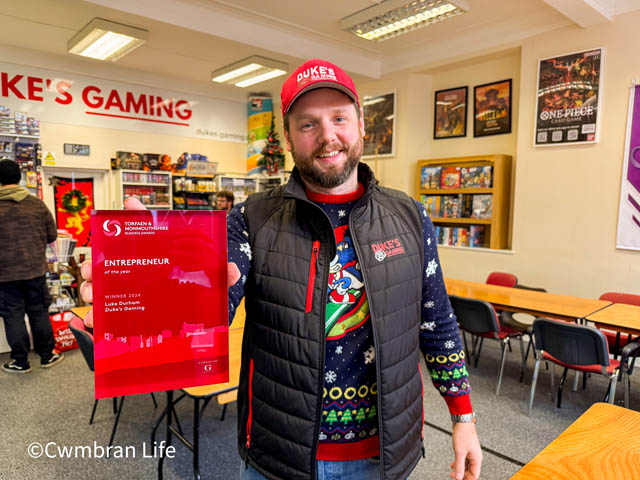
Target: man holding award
(343, 290)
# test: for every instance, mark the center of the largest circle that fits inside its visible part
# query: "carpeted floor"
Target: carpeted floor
(53, 407)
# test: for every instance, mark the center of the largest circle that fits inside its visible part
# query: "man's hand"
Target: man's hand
(86, 288)
(468, 454)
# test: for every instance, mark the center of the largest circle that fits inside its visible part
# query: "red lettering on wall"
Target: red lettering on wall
(64, 97)
(95, 102)
(183, 113)
(10, 85)
(34, 87)
(136, 106)
(167, 106)
(114, 101)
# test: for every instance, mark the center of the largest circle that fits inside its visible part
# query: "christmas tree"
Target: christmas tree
(332, 418)
(272, 155)
(346, 417)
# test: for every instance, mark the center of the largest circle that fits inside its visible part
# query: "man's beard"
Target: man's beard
(337, 174)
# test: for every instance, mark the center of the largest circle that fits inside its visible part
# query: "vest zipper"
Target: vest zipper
(250, 404)
(312, 275)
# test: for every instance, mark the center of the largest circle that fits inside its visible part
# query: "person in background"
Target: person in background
(221, 200)
(26, 227)
(230, 200)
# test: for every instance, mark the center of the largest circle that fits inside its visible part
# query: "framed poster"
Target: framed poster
(492, 108)
(450, 113)
(568, 99)
(379, 125)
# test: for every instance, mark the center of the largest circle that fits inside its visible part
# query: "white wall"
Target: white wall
(565, 198)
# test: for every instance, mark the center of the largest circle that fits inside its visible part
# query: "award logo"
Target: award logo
(108, 225)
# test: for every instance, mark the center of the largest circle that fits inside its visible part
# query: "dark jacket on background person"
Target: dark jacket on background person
(26, 227)
(281, 380)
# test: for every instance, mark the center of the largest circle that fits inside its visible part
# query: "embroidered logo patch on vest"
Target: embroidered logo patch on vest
(382, 250)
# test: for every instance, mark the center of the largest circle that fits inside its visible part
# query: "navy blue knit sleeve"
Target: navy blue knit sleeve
(239, 252)
(440, 340)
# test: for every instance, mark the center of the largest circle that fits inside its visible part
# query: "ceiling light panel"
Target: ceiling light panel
(251, 70)
(105, 40)
(391, 18)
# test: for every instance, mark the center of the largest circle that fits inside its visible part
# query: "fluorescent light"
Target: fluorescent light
(249, 71)
(106, 40)
(260, 78)
(391, 18)
(368, 101)
(237, 72)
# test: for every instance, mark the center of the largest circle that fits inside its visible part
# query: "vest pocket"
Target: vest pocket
(312, 275)
(250, 403)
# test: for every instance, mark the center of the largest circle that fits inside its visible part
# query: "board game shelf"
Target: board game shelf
(468, 199)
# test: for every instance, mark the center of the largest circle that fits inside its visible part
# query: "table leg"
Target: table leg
(169, 411)
(196, 437)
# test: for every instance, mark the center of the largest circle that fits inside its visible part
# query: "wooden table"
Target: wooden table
(528, 301)
(604, 443)
(619, 317)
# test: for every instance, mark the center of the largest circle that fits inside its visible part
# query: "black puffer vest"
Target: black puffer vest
(281, 379)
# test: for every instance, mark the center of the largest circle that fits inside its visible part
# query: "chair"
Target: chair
(479, 318)
(576, 347)
(507, 319)
(85, 342)
(503, 279)
(615, 340)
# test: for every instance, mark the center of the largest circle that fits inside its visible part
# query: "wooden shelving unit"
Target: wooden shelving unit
(497, 227)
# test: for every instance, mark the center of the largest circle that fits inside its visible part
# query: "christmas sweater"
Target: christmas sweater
(349, 421)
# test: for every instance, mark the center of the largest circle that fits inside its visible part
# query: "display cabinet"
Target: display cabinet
(241, 185)
(194, 192)
(152, 188)
(468, 199)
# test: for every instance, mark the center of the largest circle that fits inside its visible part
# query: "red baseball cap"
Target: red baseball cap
(313, 74)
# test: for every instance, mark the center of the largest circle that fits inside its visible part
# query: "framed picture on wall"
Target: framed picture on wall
(568, 99)
(492, 108)
(379, 125)
(450, 113)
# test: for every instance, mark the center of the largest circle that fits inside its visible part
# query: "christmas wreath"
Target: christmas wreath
(74, 201)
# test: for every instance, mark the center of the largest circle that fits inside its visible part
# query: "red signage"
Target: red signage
(160, 300)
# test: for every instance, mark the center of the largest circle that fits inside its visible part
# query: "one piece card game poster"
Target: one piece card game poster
(569, 98)
(160, 300)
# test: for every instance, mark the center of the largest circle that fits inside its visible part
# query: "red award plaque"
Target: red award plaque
(160, 306)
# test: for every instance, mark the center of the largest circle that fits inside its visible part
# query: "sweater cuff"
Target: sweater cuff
(459, 405)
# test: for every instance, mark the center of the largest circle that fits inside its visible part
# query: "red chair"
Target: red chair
(575, 347)
(479, 318)
(503, 279)
(614, 339)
